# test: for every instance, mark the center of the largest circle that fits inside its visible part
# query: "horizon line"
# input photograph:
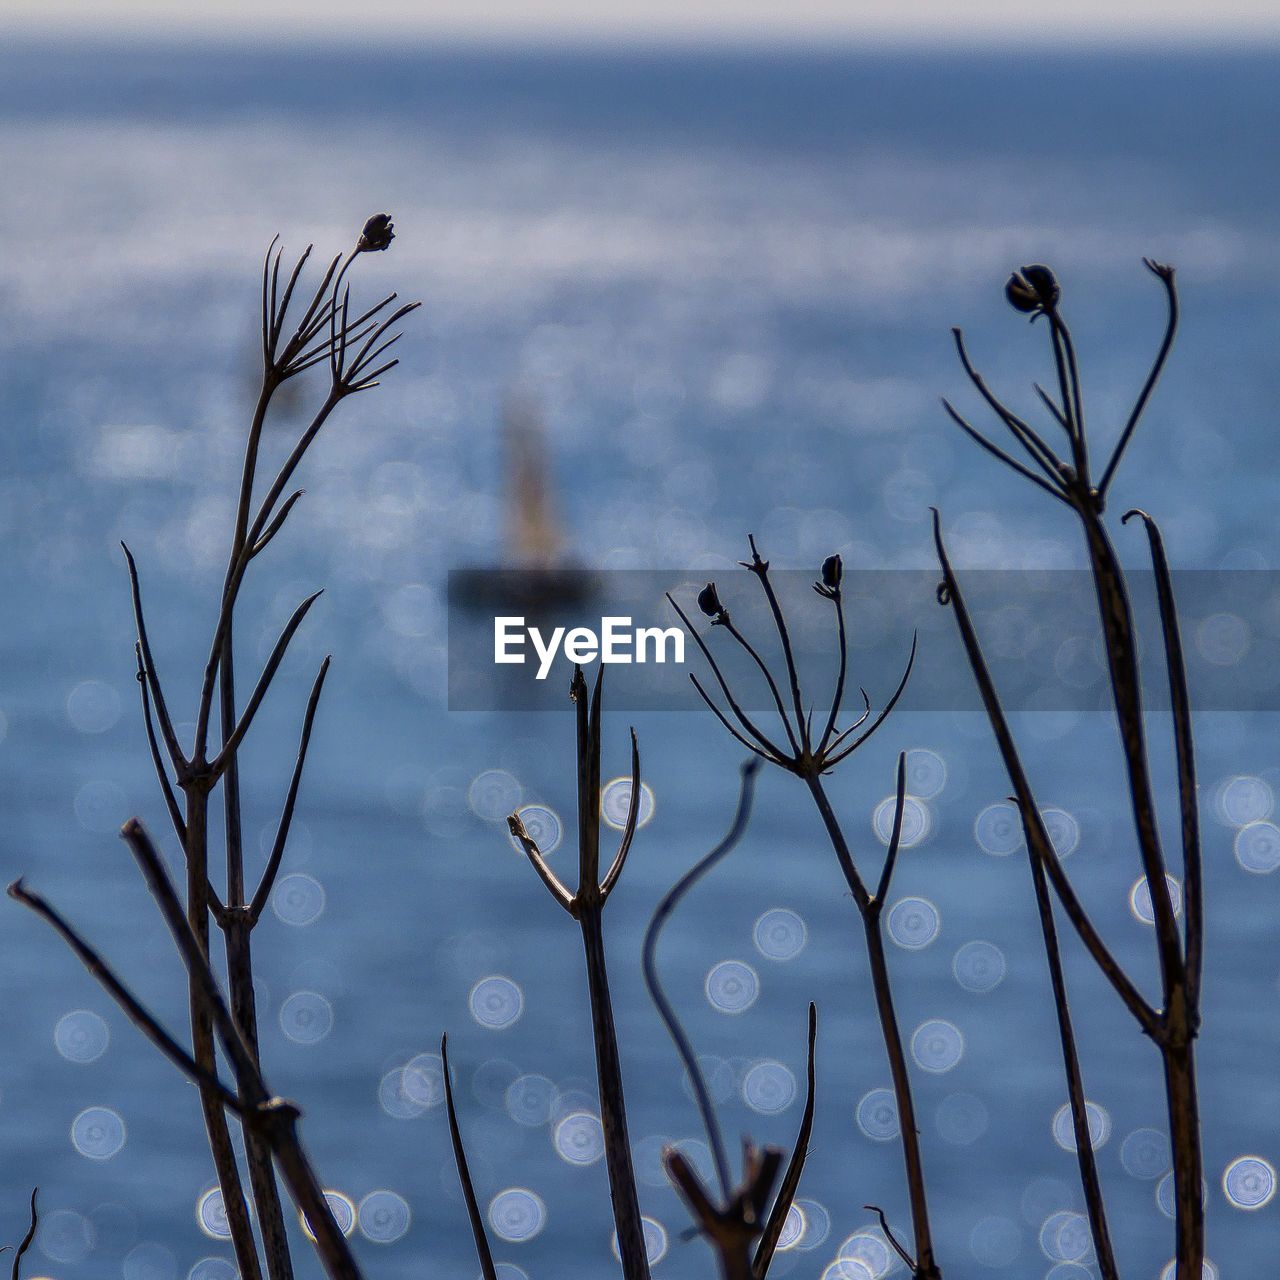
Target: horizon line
(1258, 38)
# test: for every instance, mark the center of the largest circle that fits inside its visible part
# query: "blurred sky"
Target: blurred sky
(931, 21)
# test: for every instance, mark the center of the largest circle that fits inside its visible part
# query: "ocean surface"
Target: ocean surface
(727, 282)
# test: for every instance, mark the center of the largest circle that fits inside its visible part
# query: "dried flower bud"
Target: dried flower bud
(1033, 289)
(709, 601)
(832, 572)
(377, 235)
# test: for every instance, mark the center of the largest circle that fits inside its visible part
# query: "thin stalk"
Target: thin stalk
(101, 972)
(1179, 1018)
(483, 1253)
(1086, 1159)
(237, 925)
(202, 1044)
(649, 963)
(1037, 836)
(613, 1108)
(237, 933)
(1184, 742)
(275, 1118)
(1126, 688)
(926, 1266)
(1188, 1164)
(868, 909)
(21, 1250)
(795, 1166)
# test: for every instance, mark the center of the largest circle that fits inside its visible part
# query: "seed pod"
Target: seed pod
(709, 601)
(377, 235)
(1033, 289)
(1020, 294)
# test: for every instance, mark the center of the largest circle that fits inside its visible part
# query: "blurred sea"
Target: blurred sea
(728, 281)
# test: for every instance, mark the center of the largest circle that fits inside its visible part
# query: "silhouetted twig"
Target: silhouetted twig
(478, 1233)
(809, 760)
(795, 1166)
(586, 905)
(324, 332)
(666, 1010)
(272, 1120)
(1035, 291)
(740, 1214)
(21, 1250)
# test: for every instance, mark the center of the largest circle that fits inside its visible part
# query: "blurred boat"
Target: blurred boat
(537, 574)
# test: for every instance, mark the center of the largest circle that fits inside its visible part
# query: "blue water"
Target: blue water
(728, 281)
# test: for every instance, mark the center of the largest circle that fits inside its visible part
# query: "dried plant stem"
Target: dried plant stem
(1180, 1015)
(1087, 1161)
(586, 905)
(262, 1180)
(1035, 291)
(323, 334)
(236, 921)
(809, 761)
(649, 962)
(870, 910)
(20, 1252)
(478, 1234)
(795, 1166)
(613, 1110)
(202, 1041)
(273, 1119)
(1172, 1028)
(736, 1216)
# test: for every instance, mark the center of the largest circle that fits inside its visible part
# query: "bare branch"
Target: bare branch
(478, 1234)
(891, 1238)
(1037, 449)
(1180, 699)
(162, 774)
(265, 885)
(1064, 355)
(20, 1253)
(664, 1006)
(267, 309)
(1052, 405)
(837, 698)
(831, 762)
(795, 1167)
(274, 1118)
(996, 452)
(769, 680)
(157, 693)
(629, 827)
(283, 309)
(264, 683)
(276, 524)
(1041, 846)
(761, 569)
(1116, 618)
(136, 1013)
(891, 857)
(587, 717)
(1090, 1182)
(548, 877)
(719, 715)
(269, 317)
(319, 308)
(743, 719)
(195, 961)
(372, 346)
(1165, 275)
